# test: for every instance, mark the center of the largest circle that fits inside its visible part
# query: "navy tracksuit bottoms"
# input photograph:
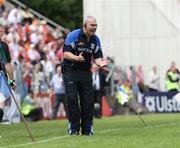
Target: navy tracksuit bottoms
(80, 103)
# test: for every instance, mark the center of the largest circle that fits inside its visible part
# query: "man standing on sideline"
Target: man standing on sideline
(57, 86)
(98, 81)
(5, 60)
(81, 46)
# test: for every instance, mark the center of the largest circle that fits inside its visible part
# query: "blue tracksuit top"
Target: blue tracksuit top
(76, 42)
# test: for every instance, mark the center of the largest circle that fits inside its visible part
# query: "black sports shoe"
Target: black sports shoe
(1, 114)
(87, 134)
(74, 133)
(87, 131)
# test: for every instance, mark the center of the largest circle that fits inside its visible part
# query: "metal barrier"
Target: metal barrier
(50, 22)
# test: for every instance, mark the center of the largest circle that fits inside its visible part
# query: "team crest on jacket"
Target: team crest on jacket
(92, 46)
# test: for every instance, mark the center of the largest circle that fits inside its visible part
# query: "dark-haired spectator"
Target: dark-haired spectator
(27, 15)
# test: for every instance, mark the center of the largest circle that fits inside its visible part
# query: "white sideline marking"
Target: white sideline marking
(37, 142)
(68, 136)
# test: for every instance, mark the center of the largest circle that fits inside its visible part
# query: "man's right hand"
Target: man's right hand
(80, 58)
(70, 56)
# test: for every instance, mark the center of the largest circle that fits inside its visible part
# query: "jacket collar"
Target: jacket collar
(83, 37)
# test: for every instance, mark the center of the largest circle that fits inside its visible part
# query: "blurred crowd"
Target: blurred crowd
(35, 48)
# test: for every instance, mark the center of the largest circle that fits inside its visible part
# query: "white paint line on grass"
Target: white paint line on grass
(68, 136)
(152, 126)
(37, 142)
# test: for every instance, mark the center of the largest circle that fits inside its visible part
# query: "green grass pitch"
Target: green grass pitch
(163, 131)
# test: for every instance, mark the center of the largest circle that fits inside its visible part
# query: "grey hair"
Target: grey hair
(86, 19)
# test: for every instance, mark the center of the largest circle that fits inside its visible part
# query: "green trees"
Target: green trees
(67, 13)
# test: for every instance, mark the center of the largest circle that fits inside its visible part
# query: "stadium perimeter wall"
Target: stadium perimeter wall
(139, 32)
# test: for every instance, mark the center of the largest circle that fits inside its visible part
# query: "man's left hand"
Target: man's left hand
(101, 62)
(104, 63)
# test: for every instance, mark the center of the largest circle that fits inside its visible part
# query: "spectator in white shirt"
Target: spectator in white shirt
(58, 89)
(153, 80)
(33, 54)
(15, 15)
